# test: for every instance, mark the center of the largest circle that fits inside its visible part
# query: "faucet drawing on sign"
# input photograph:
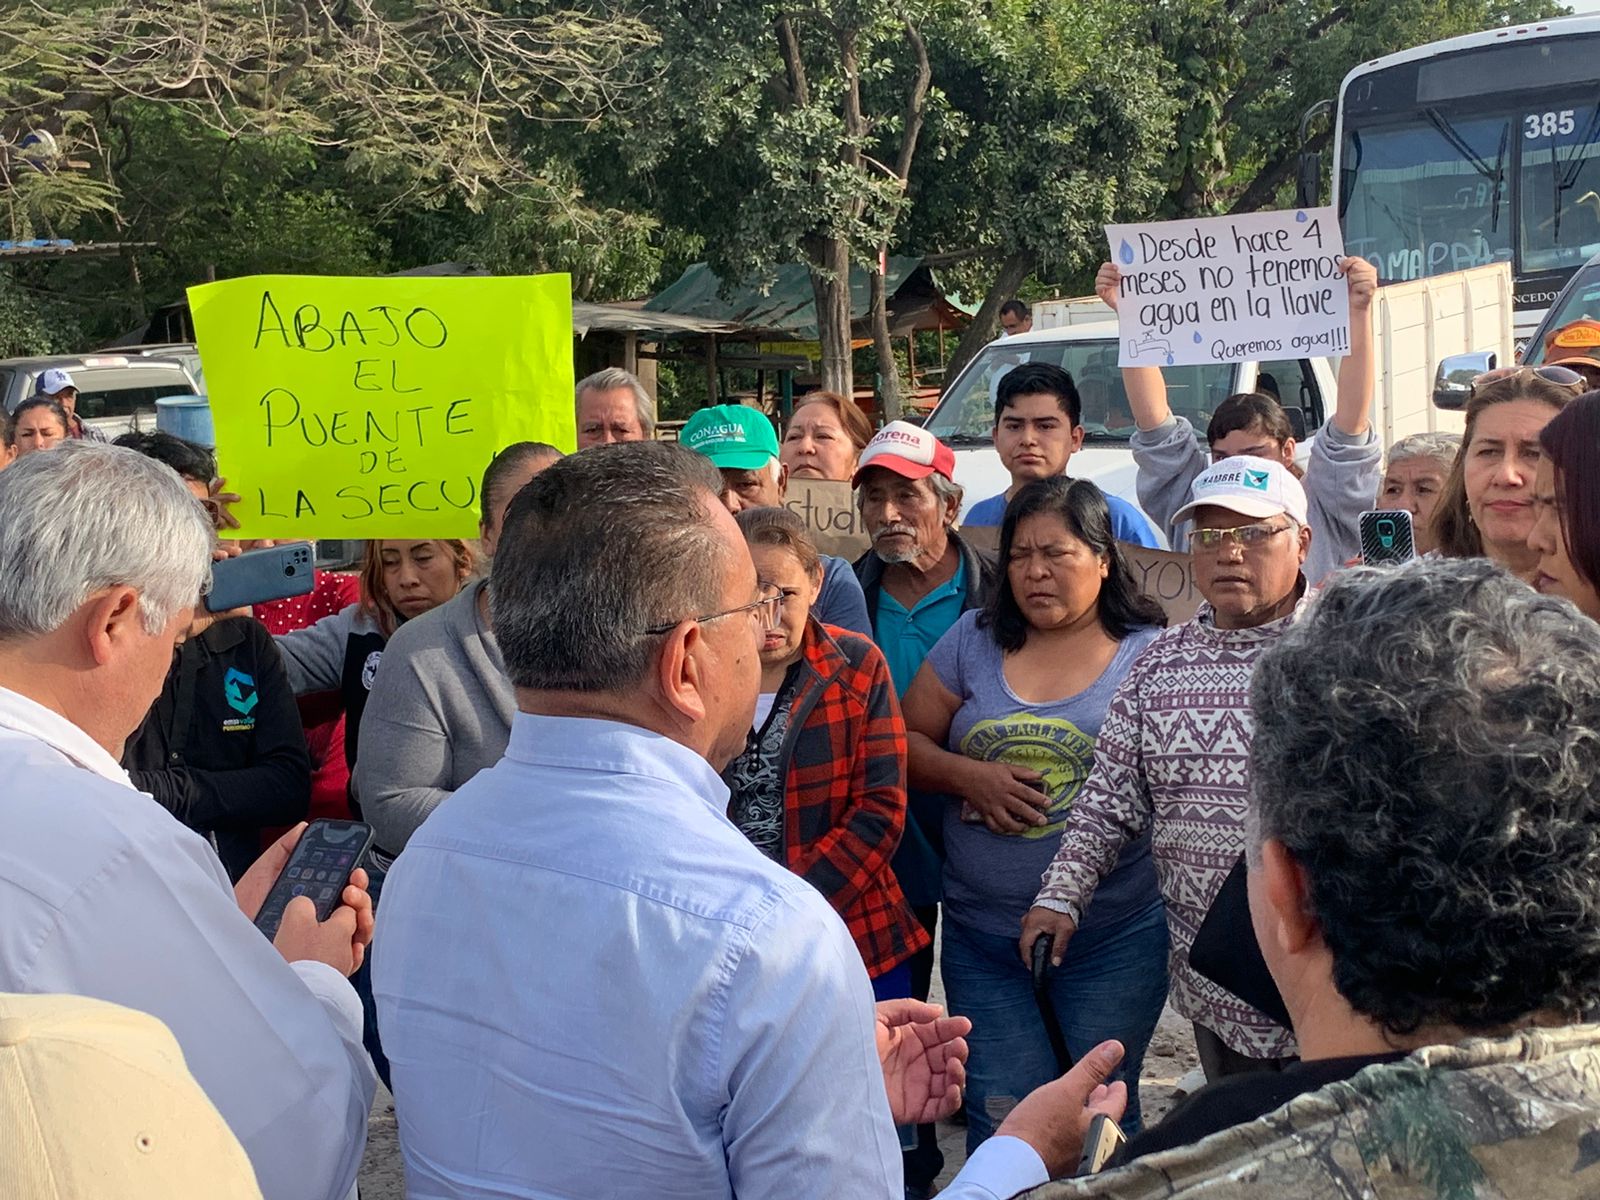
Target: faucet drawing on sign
(1148, 344)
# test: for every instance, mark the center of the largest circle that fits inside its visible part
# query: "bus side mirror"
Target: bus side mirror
(1453, 385)
(1308, 180)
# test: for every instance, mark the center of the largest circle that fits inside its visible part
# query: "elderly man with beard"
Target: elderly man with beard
(919, 577)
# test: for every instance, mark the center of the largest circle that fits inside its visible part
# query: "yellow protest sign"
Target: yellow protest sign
(368, 408)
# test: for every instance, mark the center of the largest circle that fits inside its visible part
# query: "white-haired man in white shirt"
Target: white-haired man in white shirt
(103, 554)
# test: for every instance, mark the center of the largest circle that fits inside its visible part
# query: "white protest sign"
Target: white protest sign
(1228, 289)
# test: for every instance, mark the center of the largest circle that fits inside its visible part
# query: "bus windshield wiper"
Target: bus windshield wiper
(1496, 176)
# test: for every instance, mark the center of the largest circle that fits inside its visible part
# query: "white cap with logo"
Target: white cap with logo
(1249, 486)
(96, 1101)
(55, 381)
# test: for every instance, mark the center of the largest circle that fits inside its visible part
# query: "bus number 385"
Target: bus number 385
(1550, 124)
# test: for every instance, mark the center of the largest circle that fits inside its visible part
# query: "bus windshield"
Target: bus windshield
(1444, 192)
(1428, 196)
(1560, 187)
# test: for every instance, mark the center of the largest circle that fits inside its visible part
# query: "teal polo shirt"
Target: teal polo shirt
(905, 637)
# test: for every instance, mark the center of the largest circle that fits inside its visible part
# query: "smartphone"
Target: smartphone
(1387, 537)
(1104, 1139)
(257, 576)
(319, 868)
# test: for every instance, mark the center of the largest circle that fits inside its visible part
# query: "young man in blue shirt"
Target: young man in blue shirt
(1038, 426)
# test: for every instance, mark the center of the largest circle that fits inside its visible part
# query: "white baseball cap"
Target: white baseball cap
(96, 1101)
(1249, 486)
(908, 450)
(55, 380)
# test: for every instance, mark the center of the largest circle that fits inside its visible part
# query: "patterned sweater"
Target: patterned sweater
(1174, 751)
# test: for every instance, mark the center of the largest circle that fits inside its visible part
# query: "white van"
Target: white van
(117, 393)
(964, 417)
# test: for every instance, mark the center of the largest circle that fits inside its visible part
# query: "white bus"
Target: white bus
(1479, 149)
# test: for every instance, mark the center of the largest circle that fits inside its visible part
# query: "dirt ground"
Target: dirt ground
(1171, 1056)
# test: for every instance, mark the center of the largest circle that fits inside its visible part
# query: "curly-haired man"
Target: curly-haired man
(1423, 883)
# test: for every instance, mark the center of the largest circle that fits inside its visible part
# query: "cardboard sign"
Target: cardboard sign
(1231, 289)
(369, 408)
(828, 508)
(1165, 577)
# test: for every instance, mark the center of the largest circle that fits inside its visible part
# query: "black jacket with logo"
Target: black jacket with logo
(222, 749)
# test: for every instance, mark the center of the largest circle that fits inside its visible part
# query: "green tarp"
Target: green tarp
(785, 307)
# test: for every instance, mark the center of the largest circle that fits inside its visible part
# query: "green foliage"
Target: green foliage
(621, 142)
(209, 203)
(1055, 122)
(757, 156)
(30, 324)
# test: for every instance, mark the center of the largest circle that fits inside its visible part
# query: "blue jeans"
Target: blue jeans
(1111, 984)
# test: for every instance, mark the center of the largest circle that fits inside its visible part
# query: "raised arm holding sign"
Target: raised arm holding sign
(1227, 289)
(1147, 391)
(1166, 450)
(368, 408)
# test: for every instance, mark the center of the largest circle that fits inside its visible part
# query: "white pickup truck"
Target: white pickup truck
(1422, 328)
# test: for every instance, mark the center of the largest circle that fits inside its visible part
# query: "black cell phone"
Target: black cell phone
(319, 868)
(257, 576)
(1387, 537)
(1105, 1138)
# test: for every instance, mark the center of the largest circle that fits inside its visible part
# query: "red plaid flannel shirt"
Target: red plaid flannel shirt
(846, 788)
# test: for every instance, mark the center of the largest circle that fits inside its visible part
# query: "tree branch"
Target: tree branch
(916, 104)
(794, 67)
(1281, 62)
(1264, 187)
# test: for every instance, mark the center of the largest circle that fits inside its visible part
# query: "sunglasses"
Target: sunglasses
(1561, 376)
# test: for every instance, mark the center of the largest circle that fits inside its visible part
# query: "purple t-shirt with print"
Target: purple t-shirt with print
(990, 879)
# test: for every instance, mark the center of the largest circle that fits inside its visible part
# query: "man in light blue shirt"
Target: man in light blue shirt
(591, 983)
(1038, 426)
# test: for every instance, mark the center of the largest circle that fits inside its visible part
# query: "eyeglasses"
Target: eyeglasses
(1247, 536)
(767, 611)
(1561, 376)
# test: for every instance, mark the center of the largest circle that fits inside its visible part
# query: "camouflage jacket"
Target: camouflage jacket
(1511, 1119)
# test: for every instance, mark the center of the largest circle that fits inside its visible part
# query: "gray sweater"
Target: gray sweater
(440, 712)
(1341, 483)
(314, 656)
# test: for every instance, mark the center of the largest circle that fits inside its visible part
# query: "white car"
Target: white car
(117, 393)
(964, 417)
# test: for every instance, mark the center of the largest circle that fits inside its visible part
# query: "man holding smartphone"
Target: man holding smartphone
(102, 893)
